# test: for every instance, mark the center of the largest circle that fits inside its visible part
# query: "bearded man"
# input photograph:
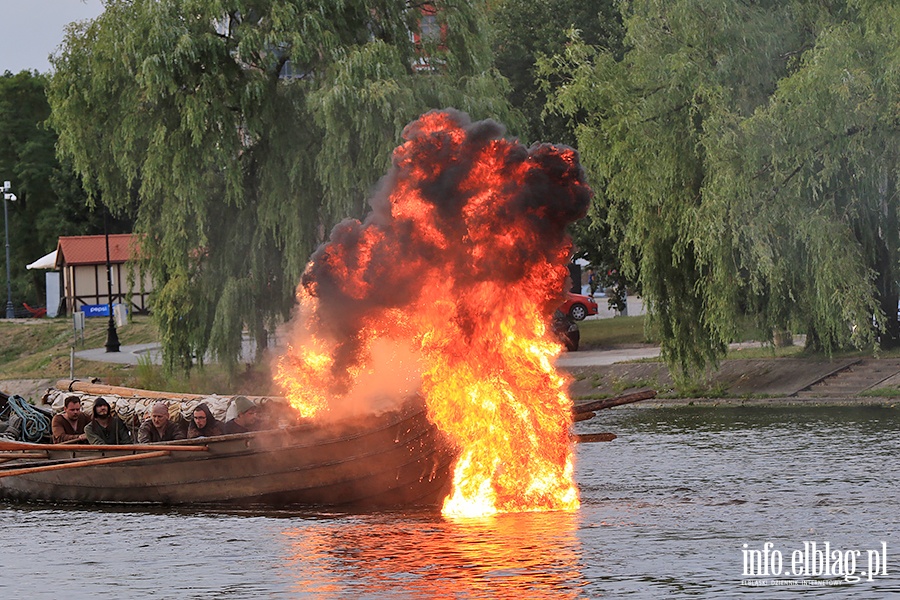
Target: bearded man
(106, 428)
(68, 426)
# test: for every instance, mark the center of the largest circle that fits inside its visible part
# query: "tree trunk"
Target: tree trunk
(262, 341)
(886, 257)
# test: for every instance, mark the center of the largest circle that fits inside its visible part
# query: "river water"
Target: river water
(667, 509)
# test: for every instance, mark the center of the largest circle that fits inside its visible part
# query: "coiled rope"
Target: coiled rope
(35, 424)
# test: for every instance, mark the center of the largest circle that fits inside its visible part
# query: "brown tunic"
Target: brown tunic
(62, 429)
(149, 434)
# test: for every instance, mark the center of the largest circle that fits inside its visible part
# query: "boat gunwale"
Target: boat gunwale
(420, 458)
(404, 413)
(249, 452)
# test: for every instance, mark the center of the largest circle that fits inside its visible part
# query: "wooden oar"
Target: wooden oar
(84, 463)
(610, 402)
(17, 456)
(14, 445)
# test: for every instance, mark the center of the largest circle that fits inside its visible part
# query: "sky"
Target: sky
(30, 30)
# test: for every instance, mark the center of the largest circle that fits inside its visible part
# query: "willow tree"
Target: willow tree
(743, 157)
(822, 157)
(243, 129)
(527, 29)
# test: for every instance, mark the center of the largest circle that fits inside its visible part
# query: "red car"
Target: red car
(578, 306)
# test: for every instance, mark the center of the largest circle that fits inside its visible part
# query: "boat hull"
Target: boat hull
(396, 459)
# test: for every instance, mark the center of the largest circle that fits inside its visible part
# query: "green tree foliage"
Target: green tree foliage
(527, 30)
(823, 158)
(50, 202)
(744, 156)
(243, 129)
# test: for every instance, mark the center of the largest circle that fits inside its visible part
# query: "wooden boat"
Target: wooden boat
(396, 459)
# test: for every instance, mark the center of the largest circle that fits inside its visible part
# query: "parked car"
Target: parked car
(578, 306)
(566, 330)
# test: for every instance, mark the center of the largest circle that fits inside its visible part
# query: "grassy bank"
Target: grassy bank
(597, 334)
(41, 349)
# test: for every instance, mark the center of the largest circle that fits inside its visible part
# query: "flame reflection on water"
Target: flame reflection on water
(530, 555)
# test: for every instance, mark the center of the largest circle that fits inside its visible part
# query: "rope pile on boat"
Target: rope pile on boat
(28, 423)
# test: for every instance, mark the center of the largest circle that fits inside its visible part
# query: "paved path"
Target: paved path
(635, 307)
(127, 355)
(134, 354)
(593, 358)
(599, 358)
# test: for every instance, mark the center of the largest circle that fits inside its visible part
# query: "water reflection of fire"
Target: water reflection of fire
(447, 288)
(528, 555)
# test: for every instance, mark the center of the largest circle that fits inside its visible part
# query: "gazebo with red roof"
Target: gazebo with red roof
(82, 260)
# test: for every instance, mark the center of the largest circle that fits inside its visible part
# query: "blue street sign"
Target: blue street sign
(96, 310)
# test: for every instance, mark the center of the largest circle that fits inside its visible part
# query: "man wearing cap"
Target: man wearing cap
(106, 428)
(158, 428)
(246, 416)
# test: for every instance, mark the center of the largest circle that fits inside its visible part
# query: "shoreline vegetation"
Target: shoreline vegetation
(40, 351)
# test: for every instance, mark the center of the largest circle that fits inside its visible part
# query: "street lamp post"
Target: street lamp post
(8, 195)
(112, 337)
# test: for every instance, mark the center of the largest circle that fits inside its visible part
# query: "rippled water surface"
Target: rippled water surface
(666, 510)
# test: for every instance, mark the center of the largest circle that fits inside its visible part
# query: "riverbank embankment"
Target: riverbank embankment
(783, 381)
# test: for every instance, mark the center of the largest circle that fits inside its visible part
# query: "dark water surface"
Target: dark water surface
(666, 511)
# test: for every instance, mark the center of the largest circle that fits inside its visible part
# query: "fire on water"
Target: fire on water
(447, 289)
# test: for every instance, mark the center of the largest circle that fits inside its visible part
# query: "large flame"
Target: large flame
(447, 289)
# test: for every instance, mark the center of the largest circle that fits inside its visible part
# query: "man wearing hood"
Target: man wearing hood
(203, 423)
(106, 428)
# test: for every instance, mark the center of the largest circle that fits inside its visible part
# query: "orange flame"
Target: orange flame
(447, 288)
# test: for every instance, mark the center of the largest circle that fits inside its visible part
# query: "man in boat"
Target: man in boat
(158, 428)
(105, 428)
(204, 424)
(246, 416)
(68, 426)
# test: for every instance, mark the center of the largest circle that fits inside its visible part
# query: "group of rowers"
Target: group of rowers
(74, 426)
